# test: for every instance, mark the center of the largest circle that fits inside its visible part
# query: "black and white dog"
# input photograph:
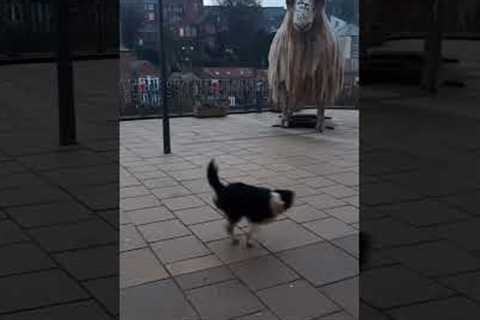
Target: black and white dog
(239, 200)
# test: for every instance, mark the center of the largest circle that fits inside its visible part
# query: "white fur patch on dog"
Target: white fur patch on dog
(276, 203)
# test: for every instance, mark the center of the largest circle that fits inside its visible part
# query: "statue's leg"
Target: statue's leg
(320, 118)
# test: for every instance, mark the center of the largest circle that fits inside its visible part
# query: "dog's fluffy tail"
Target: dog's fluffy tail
(213, 179)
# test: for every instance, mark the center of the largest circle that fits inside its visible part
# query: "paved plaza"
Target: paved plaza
(176, 261)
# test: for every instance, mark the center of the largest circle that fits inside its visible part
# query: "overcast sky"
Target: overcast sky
(265, 3)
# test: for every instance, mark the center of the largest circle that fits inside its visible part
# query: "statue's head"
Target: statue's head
(305, 12)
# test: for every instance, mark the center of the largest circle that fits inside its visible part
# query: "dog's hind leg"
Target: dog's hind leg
(251, 231)
(231, 231)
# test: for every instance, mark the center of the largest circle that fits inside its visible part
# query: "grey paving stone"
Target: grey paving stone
(139, 203)
(124, 218)
(349, 179)
(318, 182)
(36, 195)
(321, 263)
(171, 192)
(467, 201)
(263, 272)
(339, 316)
(324, 201)
(10, 233)
(429, 258)
(112, 217)
(367, 312)
(134, 191)
(183, 203)
(388, 232)
(231, 300)
(87, 176)
(261, 315)
(34, 290)
(346, 294)
(193, 265)
(348, 214)
(304, 213)
(468, 284)
(301, 190)
(106, 292)
(229, 253)
(198, 215)
(425, 213)
(210, 231)
(163, 230)
(179, 249)
(330, 229)
(151, 301)
(387, 193)
(394, 286)
(74, 311)
(97, 197)
(354, 201)
(339, 191)
(140, 266)
(284, 235)
(149, 175)
(90, 263)
(23, 257)
(57, 160)
(188, 174)
(48, 214)
(150, 215)
(461, 233)
(457, 308)
(66, 237)
(160, 183)
(349, 244)
(297, 301)
(204, 277)
(130, 238)
(197, 186)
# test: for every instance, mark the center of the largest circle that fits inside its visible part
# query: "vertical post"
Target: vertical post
(163, 64)
(433, 47)
(66, 106)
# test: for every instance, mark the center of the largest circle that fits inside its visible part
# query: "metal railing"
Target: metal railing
(236, 95)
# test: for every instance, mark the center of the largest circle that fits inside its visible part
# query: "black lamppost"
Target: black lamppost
(66, 105)
(163, 66)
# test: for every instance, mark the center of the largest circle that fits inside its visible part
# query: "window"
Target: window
(181, 32)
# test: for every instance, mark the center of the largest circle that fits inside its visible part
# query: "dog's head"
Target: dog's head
(287, 197)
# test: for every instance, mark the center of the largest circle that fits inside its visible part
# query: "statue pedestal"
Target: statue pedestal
(308, 121)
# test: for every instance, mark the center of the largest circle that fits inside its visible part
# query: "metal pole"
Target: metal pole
(163, 65)
(66, 104)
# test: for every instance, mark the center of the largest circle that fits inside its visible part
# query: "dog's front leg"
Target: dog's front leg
(251, 231)
(231, 232)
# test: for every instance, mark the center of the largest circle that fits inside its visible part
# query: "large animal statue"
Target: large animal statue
(305, 61)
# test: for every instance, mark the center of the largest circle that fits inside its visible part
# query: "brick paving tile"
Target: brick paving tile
(73, 311)
(263, 272)
(231, 298)
(150, 301)
(177, 249)
(139, 266)
(297, 300)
